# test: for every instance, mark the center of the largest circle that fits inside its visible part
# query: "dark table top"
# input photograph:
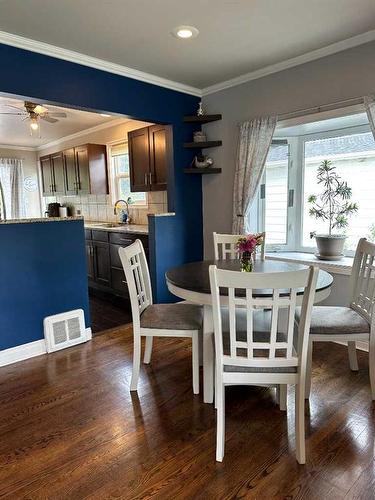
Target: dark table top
(194, 276)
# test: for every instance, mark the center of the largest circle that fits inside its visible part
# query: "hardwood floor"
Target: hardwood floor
(70, 429)
(108, 311)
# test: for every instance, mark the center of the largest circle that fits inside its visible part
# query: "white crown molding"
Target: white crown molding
(334, 48)
(93, 62)
(76, 135)
(17, 148)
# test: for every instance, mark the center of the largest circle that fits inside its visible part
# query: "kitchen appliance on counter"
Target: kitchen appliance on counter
(53, 210)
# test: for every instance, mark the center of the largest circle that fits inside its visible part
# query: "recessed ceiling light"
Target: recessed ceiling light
(105, 116)
(185, 32)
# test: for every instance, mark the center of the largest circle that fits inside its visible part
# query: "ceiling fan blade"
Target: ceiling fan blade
(11, 113)
(48, 119)
(39, 109)
(14, 107)
(57, 114)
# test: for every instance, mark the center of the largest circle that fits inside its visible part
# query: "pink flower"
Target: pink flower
(249, 243)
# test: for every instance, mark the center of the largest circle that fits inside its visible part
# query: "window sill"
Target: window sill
(343, 266)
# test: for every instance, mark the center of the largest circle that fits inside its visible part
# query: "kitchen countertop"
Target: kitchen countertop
(38, 220)
(117, 227)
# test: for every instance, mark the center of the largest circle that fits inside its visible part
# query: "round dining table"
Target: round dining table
(191, 282)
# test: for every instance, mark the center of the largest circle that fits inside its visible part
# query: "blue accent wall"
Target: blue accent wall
(173, 240)
(42, 272)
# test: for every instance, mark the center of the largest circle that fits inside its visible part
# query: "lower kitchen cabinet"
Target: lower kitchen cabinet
(104, 268)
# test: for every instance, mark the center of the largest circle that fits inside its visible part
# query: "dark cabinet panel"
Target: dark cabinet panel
(102, 265)
(160, 137)
(90, 260)
(139, 160)
(100, 235)
(118, 281)
(97, 155)
(82, 169)
(47, 178)
(57, 163)
(70, 171)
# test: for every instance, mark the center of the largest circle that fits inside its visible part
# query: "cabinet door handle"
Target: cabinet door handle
(146, 179)
(150, 177)
(127, 241)
(125, 282)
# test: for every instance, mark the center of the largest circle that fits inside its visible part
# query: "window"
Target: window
(119, 156)
(290, 177)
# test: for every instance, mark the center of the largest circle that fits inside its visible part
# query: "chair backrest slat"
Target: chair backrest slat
(271, 345)
(225, 246)
(137, 275)
(363, 280)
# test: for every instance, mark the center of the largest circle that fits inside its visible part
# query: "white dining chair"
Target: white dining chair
(225, 245)
(156, 320)
(353, 323)
(250, 346)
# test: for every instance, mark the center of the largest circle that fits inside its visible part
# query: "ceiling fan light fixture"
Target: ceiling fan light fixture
(34, 125)
(105, 115)
(185, 32)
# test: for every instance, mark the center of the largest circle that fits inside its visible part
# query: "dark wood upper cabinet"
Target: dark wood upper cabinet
(47, 177)
(82, 169)
(70, 171)
(57, 163)
(160, 155)
(78, 170)
(139, 160)
(150, 157)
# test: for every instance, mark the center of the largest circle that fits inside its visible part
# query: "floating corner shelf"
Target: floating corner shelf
(202, 145)
(203, 171)
(202, 119)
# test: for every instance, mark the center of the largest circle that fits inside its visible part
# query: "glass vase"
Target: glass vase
(247, 262)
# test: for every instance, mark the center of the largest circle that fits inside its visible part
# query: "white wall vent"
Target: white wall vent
(65, 330)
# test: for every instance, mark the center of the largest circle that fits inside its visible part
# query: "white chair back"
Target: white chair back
(276, 349)
(137, 275)
(225, 246)
(363, 280)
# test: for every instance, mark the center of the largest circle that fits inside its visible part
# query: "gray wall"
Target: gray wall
(344, 75)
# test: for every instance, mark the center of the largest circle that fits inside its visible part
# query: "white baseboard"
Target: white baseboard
(27, 351)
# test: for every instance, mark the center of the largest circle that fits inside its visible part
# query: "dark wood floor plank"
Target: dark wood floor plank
(70, 428)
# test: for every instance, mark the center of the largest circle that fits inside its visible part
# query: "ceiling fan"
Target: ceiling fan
(34, 112)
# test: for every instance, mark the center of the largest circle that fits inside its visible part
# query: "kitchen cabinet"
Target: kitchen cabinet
(104, 268)
(46, 173)
(150, 157)
(78, 170)
(57, 164)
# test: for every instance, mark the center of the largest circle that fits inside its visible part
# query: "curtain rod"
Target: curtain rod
(319, 109)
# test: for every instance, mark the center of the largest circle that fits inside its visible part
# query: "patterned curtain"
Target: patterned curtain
(253, 145)
(369, 102)
(11, 179)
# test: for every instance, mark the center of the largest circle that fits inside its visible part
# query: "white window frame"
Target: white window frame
(296, 182)
(113, 177)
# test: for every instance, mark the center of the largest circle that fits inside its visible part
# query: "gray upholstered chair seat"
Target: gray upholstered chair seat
(256, 369)
(332, 320)
(172, 317)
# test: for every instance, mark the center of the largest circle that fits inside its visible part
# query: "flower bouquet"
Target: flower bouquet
(246, 248)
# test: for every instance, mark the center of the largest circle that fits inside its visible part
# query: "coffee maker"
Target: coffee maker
(53, 210)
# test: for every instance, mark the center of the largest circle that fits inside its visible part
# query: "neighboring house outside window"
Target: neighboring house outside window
(120, 175)
(290, 177)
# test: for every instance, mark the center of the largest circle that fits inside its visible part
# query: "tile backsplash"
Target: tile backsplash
(100, 207)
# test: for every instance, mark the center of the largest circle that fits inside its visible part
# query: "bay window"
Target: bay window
(282, 209)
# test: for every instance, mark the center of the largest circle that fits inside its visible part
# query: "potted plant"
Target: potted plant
(333, 206)
(246, 248)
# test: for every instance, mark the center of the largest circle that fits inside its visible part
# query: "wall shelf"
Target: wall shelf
(204, 171)
(202, 119)
(202, 145)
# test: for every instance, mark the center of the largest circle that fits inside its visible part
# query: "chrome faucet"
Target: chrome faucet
(127, 208)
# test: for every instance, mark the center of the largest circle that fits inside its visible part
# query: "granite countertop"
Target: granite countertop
(117, 227)
(39, 219)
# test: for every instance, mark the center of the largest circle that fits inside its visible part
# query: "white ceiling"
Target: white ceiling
(236, 36)
(16, 132)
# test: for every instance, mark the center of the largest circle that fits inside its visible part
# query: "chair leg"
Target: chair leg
(220, 422)
(195, 362)
(300, 424)
(136, 362)
(352, 352)
(148, 350)
(308, 369)
(371, 362)
(282, 393)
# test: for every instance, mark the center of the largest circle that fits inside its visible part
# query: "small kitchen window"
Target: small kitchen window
(120, 175)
